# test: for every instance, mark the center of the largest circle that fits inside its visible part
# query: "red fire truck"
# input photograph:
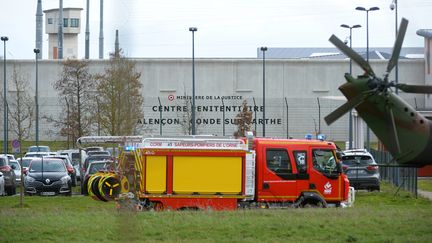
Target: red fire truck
(225, 174)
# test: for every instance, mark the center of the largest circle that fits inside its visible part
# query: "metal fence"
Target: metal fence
(401, 177)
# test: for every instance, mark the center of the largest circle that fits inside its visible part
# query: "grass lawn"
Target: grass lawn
(376, 217)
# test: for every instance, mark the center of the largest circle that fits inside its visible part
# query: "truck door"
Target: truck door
(300, 157)
(325, 174)
(279, 180)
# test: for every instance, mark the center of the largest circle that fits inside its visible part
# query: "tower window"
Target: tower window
(74, 22)
(50, 20)
(65, 22)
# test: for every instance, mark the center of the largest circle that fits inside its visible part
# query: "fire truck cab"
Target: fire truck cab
(302, 172)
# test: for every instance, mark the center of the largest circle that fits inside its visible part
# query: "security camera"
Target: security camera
(392, 6)
(346, 40)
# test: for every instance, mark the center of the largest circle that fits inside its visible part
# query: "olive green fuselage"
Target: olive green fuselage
(413, 129)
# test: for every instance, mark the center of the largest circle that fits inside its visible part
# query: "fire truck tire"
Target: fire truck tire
(158, 206)
(312, 200)
(109, 187)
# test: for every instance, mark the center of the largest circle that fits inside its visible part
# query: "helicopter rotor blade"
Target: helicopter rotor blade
(352, 54)
(350, 104)
(398, 45)
(394, 139)
(418, 89)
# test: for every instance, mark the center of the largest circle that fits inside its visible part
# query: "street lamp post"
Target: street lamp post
(37, 51)
(394, 6)
(5, 114)
(350, 68)
(367, 58)
(264, 49)
(193, 29)
(367, 27)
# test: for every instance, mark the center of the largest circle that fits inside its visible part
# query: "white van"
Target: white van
(76, 159)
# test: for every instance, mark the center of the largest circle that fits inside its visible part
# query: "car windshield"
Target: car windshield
(2, 162)
(95, 167)
(352, 160)
(39, 155)
(47, 166)
(25, 162)
(66, 161)
(90, 153)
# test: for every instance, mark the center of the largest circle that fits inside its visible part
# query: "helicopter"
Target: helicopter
(404, 132)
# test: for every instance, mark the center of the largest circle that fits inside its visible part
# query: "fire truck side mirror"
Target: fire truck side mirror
(339, 167)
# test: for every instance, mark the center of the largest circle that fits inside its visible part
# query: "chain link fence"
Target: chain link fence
(401, 177)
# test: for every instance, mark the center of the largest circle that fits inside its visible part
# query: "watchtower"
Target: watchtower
(71, 29)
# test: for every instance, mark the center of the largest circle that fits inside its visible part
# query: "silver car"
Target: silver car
(2, 185)
(361, 169)
(17, 169)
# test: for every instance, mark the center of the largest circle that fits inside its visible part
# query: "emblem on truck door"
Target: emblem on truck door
(327, 188)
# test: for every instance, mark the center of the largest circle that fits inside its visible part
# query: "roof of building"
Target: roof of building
(64, 9)
(334, 53)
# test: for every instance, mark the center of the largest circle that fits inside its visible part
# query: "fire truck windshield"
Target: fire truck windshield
(324, 161)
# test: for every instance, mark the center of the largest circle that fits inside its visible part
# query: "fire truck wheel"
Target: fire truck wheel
(158, 206)
(312, 204)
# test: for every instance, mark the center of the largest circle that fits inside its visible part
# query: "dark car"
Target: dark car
(86, 164)
(93, 158)
(69, 166)
(361, 169)
(8, 174)
(47, 176)
(94, 167)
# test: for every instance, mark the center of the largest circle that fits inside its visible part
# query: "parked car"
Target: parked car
(40, 148)
(8, 175)
(97, 152)
(37, 154)
(361, 169)
(69, 166)
(47, 176)
(94, 158)
(25, 162)
(2, 184)
(76, 156)
(94, 148)
(94, 167)
(17, 170)
(10, 156)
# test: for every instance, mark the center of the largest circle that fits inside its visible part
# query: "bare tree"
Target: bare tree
(120, 102)
(20, 106)
(243, 120)
(76, 92)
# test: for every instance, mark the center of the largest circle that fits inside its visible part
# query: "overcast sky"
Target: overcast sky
(226, 28)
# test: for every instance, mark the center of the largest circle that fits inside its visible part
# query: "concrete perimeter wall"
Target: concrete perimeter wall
(294, 88)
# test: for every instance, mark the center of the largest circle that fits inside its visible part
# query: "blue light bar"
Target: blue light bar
(129, 148)
(321, 137)
(308, 136)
